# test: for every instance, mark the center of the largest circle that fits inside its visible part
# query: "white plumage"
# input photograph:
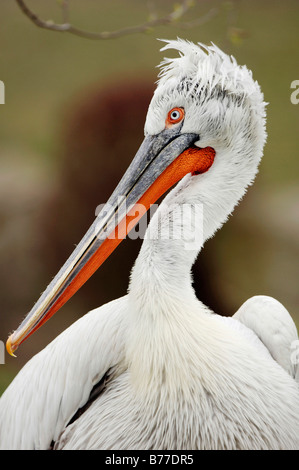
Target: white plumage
(177, 376)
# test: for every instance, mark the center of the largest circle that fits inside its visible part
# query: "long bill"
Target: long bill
(161, 161)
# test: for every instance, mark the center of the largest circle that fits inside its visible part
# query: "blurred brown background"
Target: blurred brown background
(73, 120)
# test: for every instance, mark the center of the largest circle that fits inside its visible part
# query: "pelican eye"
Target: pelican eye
(174, 116)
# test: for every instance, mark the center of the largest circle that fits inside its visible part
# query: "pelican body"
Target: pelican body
(157, 369)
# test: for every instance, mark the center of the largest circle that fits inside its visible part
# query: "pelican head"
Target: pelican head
(225, 107)
(205, 125)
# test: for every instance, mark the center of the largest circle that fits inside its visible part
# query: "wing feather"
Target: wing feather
(274, 326)
(58, 381)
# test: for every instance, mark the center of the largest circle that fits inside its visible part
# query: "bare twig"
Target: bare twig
(201, 20)
(40, 23)
(152, 10)
(65, 11)
(173, 16)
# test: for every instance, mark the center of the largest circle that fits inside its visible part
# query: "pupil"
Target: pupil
(175, 115)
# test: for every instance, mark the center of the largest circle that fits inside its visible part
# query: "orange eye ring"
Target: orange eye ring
(174, 116)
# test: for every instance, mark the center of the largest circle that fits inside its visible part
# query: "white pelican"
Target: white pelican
(156, 369)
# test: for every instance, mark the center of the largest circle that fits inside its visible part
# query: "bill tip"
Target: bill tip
(10, 347)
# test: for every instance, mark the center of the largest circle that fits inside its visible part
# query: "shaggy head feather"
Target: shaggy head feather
(226, 108)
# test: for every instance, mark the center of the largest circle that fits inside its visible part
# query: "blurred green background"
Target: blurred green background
(72, 121)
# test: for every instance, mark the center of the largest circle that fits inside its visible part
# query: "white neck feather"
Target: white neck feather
(224, 106)
(167, 323)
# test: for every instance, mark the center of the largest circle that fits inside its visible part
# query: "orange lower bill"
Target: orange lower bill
(193, 160)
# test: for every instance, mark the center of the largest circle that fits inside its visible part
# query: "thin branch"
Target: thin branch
(152, 10)
(40, 23)
(200, 21)
(65, 11)
(175, 15)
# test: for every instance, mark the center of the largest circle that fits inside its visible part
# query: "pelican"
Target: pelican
(157, 369)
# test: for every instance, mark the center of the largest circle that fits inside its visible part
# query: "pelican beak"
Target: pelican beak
(161, 161)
